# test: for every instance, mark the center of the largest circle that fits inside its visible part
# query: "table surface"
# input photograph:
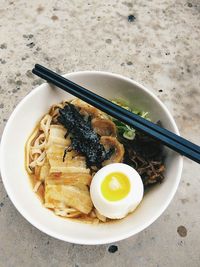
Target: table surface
(159, 47)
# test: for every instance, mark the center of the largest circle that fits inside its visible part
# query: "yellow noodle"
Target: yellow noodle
(61, 177)
(36, 187)
(28, 146)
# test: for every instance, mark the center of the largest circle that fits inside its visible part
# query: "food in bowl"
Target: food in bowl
(35, 105)
(72, 144)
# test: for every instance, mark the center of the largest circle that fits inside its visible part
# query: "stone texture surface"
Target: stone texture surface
(159, 47)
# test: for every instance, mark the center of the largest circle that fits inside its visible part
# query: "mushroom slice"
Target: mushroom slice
(104, 127)
(110, 142)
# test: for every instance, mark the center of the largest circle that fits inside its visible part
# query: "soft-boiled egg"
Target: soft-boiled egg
(116, 190)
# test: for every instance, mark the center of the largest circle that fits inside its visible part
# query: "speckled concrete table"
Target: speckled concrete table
(157, 46)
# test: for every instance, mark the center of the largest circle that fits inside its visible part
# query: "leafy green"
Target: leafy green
(123, 129)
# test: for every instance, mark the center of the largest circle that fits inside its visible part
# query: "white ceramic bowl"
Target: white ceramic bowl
(17, 184)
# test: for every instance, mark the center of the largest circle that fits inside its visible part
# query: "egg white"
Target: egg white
(117, 209)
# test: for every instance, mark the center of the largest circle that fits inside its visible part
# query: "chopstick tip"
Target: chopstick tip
(37, 65)
(33, 70)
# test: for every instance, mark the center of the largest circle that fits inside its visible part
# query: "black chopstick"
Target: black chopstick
(181, 146)
(137, 118)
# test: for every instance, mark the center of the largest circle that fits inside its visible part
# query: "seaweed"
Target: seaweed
(84, 139)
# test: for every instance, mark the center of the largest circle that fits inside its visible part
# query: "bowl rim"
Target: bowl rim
(103, 240)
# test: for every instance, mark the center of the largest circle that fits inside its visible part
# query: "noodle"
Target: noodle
(36, 187)
(61, 175)
(44, 150)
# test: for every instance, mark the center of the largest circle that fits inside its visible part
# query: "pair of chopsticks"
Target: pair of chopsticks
(173, 141)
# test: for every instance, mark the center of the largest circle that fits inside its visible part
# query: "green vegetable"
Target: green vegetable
(130, 135)
(123, 129)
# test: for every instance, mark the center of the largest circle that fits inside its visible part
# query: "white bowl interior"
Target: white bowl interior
(17, 184)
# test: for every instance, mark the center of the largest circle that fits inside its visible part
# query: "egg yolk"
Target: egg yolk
(115, 186)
